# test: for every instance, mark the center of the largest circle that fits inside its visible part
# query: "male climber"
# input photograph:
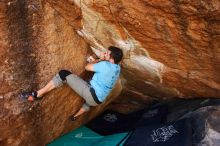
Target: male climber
(106, 72)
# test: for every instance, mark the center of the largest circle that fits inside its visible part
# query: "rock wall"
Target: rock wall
(171, 49)
(36, 42)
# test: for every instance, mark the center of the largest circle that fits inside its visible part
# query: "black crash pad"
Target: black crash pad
(111, 122)
(177, 133)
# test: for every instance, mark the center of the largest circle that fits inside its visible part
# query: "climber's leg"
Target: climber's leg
(81, 111)
(55, 82)
(82, 88)
(50, 86)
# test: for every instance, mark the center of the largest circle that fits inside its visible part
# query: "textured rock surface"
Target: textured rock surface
(207, 129)
(36, 42)
(171, 47)
(204, 117)
(171, 50)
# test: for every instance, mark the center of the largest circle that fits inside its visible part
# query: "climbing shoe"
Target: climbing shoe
(30, 96)
(72, 118)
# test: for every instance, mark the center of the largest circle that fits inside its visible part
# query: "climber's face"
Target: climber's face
(107, 55)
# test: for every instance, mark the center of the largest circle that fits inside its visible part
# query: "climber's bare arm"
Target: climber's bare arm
(89, 66)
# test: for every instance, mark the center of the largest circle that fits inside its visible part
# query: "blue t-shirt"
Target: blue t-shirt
(105, 77)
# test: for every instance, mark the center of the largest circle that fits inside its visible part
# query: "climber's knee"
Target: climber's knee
(63, 74)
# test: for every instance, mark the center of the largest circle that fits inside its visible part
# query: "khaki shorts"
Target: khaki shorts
(80, 86)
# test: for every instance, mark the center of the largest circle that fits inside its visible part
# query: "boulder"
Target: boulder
(171, 50)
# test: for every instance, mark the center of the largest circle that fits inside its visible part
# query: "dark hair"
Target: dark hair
(116, 54)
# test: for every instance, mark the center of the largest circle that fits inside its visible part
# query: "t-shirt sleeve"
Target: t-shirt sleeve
(98, 67)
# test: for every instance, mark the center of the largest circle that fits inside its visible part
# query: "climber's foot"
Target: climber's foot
(30, 96)
(72, 118)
